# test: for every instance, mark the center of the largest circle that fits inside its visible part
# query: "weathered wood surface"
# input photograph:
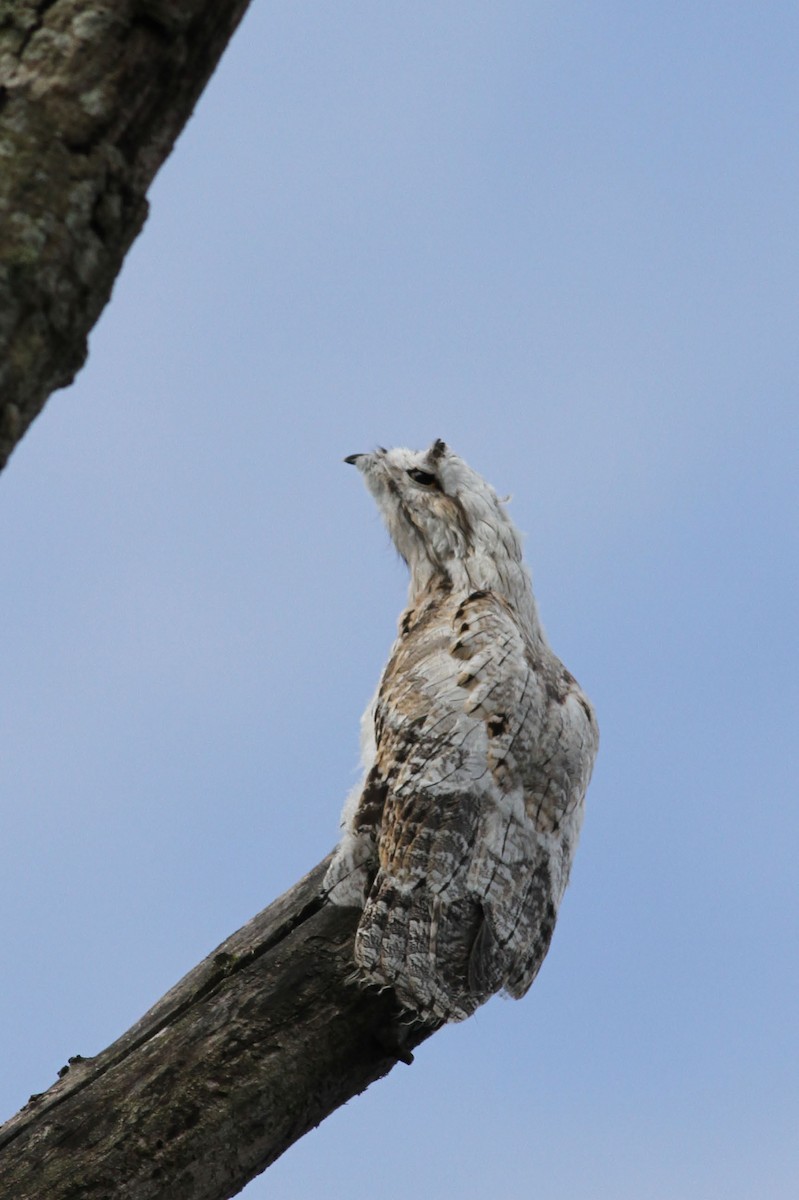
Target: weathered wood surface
(253, 1048)
(93, 94)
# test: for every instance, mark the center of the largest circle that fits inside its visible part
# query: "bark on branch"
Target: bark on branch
(248, 1052)
(93, 94)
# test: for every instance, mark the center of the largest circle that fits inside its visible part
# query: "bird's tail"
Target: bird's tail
(436, 955)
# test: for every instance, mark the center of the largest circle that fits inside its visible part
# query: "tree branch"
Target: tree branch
(253, 1048)
(93, 94)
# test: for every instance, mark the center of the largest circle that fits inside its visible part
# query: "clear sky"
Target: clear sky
(563, 237)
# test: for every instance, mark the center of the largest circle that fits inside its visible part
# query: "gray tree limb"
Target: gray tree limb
(93, 94)
(249, 1051)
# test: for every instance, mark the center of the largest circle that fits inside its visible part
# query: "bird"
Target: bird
(477, 750)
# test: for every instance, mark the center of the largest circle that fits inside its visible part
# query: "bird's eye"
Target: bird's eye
(423, 477)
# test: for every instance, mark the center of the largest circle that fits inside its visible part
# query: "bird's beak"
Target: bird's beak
(352, 459)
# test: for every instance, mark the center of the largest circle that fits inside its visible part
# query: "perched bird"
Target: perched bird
(477, 751)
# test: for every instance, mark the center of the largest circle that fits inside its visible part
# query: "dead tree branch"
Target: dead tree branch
(249, 1051)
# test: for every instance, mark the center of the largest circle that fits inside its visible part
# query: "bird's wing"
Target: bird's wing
(465, 884)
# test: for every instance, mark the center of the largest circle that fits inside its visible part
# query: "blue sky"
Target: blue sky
(564, 238)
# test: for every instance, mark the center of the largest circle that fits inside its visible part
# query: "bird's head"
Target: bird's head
(444, 519)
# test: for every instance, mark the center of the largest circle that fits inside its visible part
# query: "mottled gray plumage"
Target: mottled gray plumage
(478, 748)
